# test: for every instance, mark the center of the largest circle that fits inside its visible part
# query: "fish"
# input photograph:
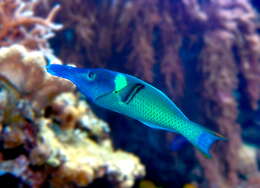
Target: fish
(133, 97)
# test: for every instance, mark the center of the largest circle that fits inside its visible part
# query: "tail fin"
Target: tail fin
(205, 141)
(202, 138)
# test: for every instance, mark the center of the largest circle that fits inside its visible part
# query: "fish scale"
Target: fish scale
(151, 106)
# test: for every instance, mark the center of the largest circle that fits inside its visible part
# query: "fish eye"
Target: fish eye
(91, 75)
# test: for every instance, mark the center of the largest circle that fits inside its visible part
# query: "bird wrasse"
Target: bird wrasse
(137, 99)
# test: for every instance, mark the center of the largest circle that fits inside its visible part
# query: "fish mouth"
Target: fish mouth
(54, 69)
(63, 71)
(104, 95)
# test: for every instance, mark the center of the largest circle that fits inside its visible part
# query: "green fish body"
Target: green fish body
(137, 99)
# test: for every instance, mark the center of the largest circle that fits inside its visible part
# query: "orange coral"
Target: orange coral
(19, 25)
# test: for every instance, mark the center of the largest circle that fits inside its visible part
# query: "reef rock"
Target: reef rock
(49, 136)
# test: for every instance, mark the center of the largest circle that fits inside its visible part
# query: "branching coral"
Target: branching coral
(50, 137)
(19, 25)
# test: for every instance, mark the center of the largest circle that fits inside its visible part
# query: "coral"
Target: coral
(123, 35)
(49, 136)
(23, 70)
(207, 55)
(20, 26)
(19, 168)
(81, 160)
(66, 109)
(190, 186)
(219, 81)
(147, 184)
(247, 155)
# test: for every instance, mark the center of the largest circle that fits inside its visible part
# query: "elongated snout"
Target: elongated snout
(63, 71)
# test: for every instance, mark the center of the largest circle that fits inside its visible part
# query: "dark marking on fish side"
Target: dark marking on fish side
(131, 94)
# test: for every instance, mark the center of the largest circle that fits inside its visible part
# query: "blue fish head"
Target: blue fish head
(93, 83)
